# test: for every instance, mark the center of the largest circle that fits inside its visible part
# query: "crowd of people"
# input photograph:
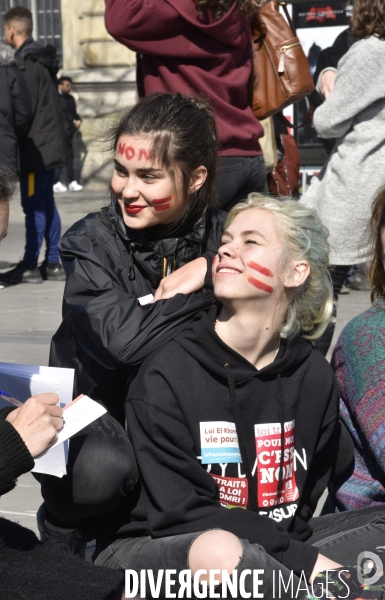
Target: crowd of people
(197, 310)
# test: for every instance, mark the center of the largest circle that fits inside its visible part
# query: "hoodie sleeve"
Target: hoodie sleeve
(180, 496)
(141, 24)
(109, 323)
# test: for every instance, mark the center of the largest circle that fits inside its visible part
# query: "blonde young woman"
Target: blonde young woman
(209, 413)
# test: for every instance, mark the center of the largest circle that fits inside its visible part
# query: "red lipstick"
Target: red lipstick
(132, 209)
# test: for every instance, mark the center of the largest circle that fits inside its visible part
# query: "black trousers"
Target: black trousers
(101, 471)
(60, 173)
(237, 177)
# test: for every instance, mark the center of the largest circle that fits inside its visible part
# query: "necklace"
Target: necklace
(276, 352)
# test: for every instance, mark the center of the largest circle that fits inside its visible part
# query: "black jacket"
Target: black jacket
(15, 109)
(183, 425)
(105, 331)
(45, 147)
(23, 558)
(68, 106)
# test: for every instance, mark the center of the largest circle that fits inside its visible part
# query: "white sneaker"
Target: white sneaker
(59, 187)
(74, 186)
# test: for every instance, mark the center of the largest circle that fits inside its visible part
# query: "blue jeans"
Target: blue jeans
(42, 219)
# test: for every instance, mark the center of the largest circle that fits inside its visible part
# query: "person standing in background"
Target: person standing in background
(15, 108)
(72, 122)
(354, 115)
(44, 150)
(200, 47)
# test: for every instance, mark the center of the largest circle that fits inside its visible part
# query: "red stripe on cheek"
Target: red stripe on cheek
(158, 201)
(260, 285)
(260, 269)
(163, 207)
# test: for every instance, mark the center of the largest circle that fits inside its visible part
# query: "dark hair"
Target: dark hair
(21, 14)
(368, 18)
(63, 78)
(7, 183)
(219, 8)
(376, 225)
(184, 137)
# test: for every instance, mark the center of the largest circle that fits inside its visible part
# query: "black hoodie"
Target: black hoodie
(180, 409)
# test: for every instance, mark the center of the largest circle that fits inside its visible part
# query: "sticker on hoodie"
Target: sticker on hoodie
(219, 442)
(268, 447)
(233, 491)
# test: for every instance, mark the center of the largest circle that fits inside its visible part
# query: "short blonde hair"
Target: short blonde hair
(310, 309)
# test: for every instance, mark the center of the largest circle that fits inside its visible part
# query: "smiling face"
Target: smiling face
(253, 260)
(146, 192)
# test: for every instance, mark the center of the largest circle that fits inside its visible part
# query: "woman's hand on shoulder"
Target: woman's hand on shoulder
(187, 279)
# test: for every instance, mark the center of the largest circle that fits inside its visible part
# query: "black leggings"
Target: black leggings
(101, 471)
(237, 176)
(338, 274)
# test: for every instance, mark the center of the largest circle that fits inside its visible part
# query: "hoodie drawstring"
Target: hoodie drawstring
(281, 408)
(253, 481)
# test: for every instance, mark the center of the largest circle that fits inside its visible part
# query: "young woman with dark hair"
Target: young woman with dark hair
(200, 47)
(159, 224)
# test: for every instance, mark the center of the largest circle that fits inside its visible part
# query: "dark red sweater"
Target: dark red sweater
(180, 52)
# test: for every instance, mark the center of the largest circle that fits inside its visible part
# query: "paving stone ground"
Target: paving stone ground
(30, 314)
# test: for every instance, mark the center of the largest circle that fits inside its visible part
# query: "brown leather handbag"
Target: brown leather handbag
(283, 180)
(281, 70)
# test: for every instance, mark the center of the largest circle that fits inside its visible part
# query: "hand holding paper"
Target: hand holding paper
(38, 422)
(77, 415)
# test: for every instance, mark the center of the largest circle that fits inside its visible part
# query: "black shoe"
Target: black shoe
(52, 271)
(21, 274)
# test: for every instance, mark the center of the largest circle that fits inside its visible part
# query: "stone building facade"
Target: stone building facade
(103, 74)
(104, 82)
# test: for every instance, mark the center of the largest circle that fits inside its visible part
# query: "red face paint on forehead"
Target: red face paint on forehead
(129, 152)
(260, 269)
(260, 285)
(144, 155)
